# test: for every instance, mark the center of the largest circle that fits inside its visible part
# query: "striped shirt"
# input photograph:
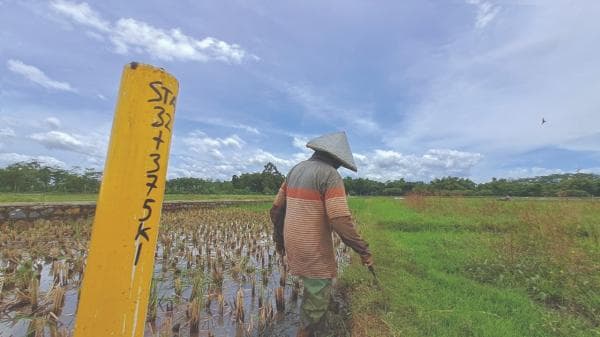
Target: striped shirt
(313, 194)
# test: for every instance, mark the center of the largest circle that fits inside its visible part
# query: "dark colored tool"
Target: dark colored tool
(375, 278)
(384, 302)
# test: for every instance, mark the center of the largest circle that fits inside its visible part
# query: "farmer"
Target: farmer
(310, 204)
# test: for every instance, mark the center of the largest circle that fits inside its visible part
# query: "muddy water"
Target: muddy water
(185, 250)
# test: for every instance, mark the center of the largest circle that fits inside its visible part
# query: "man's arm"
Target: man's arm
(338, 213)
(277, 215)
(345, 228)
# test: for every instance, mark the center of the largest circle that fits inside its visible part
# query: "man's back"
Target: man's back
(314, 193)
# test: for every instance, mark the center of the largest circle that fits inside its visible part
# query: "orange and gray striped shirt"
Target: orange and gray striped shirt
(314, 199)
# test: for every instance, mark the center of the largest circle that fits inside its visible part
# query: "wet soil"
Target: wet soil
(229, 253)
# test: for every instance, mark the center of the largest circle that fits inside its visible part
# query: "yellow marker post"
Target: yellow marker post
(120, 263)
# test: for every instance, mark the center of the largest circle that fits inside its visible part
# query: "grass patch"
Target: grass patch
(427, 252)
(46, 197)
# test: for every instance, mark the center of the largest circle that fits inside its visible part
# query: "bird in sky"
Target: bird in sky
(544, 121)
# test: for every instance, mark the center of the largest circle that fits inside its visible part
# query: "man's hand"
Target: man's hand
(367, 260)
(280, 249)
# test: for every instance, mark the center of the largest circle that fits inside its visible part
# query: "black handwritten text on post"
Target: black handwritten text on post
(163, 97)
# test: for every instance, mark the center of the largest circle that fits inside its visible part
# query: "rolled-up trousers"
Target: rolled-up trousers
(317, 294)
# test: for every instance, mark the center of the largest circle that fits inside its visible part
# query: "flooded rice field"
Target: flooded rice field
(216, 274)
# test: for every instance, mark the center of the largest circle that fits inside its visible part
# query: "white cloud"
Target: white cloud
(300, 143)
(385, 165)
(81, 13)
(595, 170)
(248, 128)
(59, 140)
(535, 171)
(93, 145)
(486, 12)
(172, 44)
(221, 158)
(11, 158)
(380, 165)
(231, 163)
(53, 123)
(233, 141)
(199, 142)
(130, 35)
(261, 157)
(37, 76)
(525, 172)
(7, 132)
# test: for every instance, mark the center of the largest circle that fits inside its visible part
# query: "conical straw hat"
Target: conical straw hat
(336, 144)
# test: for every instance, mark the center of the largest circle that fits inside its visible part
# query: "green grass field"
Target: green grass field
(477, 267)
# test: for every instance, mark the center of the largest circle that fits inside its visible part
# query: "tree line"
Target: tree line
(265, 182)
(555, 185)
(34, 177)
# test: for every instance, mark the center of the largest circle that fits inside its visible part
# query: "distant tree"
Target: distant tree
(452, 186)
(91, 181)
(363, 186)
(235, 181)
(396, 187)
(188, 185)
(250, 182)
(420, 187)
(32, 176)
(268, 181)
(271, 179)
(495, 187)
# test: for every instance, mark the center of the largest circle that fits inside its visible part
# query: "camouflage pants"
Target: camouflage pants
(317, 294)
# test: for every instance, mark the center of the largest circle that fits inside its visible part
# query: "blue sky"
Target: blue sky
(423, 89)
